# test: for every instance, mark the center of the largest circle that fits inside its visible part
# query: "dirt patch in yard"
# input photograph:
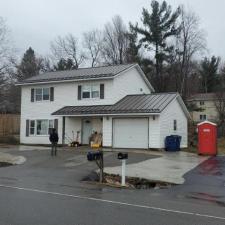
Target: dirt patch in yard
(5, 164)
(131, 182)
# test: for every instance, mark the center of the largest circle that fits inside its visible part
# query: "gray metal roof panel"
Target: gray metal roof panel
(79, 74)
(151, 103)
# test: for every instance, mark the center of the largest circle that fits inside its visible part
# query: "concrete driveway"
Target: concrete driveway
(168, 167)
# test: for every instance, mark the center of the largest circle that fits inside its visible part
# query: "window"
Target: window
(95, 91)
(46, 94)
(32, 127)
(202, 103)
(41, 127)
(203, 117)
(86, 91)
(42, 94)
(90, 91)
(175, 125)
(38, 94)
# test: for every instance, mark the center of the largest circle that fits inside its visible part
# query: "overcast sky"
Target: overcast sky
(36, 22)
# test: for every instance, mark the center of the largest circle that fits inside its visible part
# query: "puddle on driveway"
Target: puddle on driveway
(216, 199)
(213, 167)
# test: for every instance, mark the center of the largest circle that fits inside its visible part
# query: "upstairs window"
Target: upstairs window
(90, 91)
(42, 94)
(202, 103)
(203, 117)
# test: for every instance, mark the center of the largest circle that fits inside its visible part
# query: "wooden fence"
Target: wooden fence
(9, 124)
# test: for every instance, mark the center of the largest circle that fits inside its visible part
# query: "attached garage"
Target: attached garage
(130, 133)
(136, 121)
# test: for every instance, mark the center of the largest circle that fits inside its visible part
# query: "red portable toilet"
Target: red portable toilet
(207, 138)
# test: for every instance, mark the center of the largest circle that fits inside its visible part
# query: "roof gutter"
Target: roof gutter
(113, 114)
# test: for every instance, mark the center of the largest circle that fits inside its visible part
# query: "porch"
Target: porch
(81, 129)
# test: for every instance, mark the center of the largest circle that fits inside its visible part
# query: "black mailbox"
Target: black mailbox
(93, 156)
(122, 155)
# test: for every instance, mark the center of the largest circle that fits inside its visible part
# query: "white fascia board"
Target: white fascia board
(118, 114)
(183, 106)
(64, 81)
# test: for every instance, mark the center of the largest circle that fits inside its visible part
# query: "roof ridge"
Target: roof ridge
(84, 68)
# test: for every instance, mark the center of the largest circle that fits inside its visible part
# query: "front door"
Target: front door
(86, 131)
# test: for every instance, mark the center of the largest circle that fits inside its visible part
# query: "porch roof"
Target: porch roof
(131, 104)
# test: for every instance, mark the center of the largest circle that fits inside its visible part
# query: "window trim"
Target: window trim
(91, 90)
(42, 94)
(35, 127)
(204, 117)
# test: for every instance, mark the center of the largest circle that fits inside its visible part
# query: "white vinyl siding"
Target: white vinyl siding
(154, 132)
(129, 83)
(107, 132)
(167, 117)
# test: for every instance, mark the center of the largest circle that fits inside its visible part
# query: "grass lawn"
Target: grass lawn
(221, 145)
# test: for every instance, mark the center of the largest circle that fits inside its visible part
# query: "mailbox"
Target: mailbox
(93, 156)
(122, 156)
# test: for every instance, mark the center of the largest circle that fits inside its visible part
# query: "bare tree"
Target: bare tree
(6, 50)
(220, 107)
(92, 42)
(220, 100)
(190, 41)
(115, 42)
(68, 48)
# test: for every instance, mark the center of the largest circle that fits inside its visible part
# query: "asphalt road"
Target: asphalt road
(48, 190)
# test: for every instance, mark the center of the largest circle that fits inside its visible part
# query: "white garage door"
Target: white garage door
(130, 133)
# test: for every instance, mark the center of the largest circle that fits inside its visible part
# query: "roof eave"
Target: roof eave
(108, 114)
(62, 81)
(183, 106)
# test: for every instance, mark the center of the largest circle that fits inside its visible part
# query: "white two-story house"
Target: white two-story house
(117, 101)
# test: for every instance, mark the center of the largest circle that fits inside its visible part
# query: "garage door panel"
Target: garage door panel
(130, 133)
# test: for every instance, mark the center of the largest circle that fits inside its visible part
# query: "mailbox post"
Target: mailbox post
(123, 157)
(97, 156)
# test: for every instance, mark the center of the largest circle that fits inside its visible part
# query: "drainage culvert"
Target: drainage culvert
(131, 182)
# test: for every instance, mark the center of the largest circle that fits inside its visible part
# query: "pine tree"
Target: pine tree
(209, 74)
(30, 65)
(158, 26)
(64, 64)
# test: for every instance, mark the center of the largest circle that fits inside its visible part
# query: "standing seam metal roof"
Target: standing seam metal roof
(151, 103)
(79, 74)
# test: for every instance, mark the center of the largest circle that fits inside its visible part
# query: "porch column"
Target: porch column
(63, 130)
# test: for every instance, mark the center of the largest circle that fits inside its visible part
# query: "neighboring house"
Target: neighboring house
(117, 101)
(203, 107)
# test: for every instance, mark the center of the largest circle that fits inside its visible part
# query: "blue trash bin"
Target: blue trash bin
(172, 143)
